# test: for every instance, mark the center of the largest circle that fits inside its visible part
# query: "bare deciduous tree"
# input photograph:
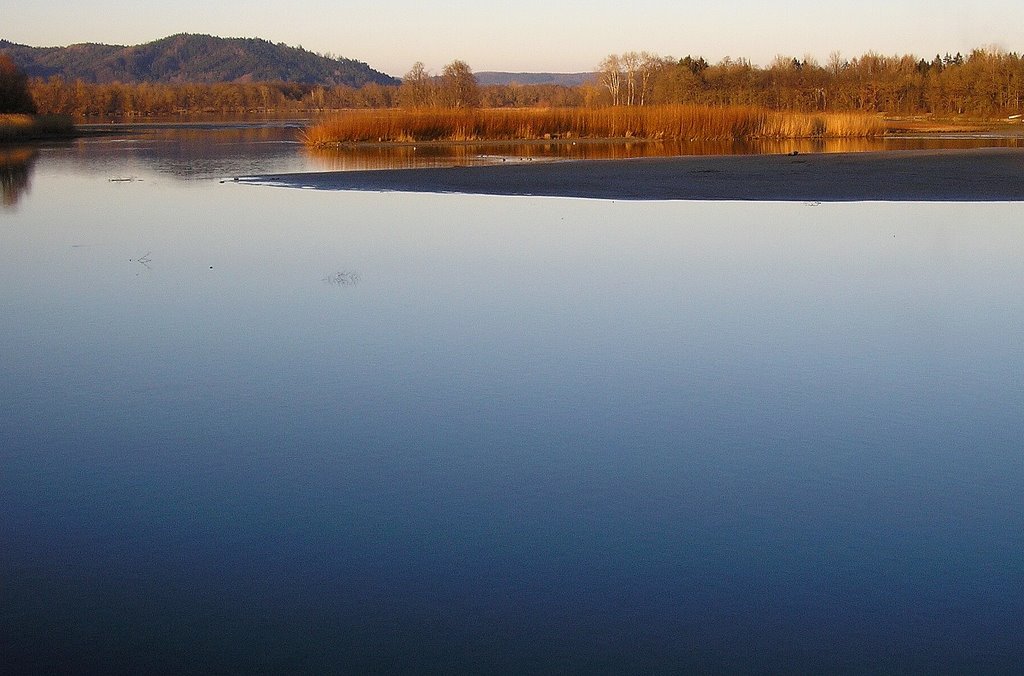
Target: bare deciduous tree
(630, 64)
(611, 76)
(650, 65)
(459, 86)
(634, 72)
(417, 89)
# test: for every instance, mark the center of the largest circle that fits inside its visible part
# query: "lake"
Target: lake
(253, 429)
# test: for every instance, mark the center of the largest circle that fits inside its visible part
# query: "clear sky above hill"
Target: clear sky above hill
(536, 35)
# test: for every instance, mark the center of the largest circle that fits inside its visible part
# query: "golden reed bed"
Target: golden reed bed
(675, 122)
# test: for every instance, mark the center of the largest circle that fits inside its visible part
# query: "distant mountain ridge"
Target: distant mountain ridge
(564, 79)
(192, 58)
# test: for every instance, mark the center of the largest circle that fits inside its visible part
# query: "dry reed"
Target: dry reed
(675, 123)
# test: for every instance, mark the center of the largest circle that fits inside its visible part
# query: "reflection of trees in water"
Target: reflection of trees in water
(363, 156)
(191, 150)
(15, 173)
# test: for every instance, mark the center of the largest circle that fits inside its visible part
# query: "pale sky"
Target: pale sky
(535, 35)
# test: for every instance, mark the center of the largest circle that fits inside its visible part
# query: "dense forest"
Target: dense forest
(986, 83)
(194, 59)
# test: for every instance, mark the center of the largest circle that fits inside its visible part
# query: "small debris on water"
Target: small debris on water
(343, 278)
(144, 259)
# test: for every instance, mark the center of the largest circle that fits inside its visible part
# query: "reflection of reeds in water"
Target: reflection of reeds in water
(675, 123)
(355, 157)
(15, 173)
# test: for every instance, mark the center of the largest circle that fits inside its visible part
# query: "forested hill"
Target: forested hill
(564, 79)
(192, 58)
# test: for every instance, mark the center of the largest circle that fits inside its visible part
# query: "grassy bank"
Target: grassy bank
(677, 122)
(29, 127)
(961, 124)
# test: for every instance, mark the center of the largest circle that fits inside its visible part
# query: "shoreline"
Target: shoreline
(969, 175)
(25, 128)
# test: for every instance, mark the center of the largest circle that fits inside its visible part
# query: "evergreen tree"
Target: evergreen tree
(14, 94)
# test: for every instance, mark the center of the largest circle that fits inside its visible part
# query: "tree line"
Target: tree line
(985, 83)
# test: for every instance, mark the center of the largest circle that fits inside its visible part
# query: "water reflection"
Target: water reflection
(224, 150)
(401, 156)
(189, 151)
(15, 173)
(614, 437)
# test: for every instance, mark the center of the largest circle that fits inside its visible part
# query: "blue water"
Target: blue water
(248, 429)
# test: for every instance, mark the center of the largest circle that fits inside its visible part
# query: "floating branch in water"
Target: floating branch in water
(144, 259)
(343, 278)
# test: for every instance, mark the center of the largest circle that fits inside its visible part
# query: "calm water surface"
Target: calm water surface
(249, 429)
